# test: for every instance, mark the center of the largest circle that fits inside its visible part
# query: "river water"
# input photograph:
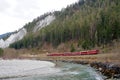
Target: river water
(44, 70)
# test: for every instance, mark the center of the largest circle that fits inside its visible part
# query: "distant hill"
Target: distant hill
(88, 22)
(6, 35)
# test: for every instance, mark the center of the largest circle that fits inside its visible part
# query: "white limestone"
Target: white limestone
(20, 34)
(44, 22)
(13, 38)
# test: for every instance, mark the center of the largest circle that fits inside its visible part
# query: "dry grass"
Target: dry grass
(42, 55)
(102, 57)
(10, 53)
(107, 54)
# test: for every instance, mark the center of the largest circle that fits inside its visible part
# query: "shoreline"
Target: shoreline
(107, 69)
(110, 70)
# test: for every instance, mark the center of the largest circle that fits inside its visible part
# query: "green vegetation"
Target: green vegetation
(92, 22)
(72, 48)
(1, 52)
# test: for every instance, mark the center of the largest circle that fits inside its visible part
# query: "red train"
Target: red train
(89, 52)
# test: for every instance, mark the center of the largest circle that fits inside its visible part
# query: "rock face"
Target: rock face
(13, 38)
(21, 33)
(109, 70)
(2, 43)
(44, 22)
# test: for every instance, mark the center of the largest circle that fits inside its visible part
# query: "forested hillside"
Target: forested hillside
(89, 22)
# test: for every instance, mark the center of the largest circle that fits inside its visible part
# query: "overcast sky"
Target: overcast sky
(15, 13)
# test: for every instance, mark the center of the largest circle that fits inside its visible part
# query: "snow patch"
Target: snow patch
(13, 38)
(44, 22)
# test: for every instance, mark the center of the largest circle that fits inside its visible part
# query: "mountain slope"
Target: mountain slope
(33, 27)
(42, 23)
(13, 38)
(89, 22)
(39, 22)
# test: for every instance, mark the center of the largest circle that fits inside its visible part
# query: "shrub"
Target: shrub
(1, 52)
(87, 44)
(72, 49)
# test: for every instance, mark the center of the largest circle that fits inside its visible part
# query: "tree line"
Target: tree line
(90, 22)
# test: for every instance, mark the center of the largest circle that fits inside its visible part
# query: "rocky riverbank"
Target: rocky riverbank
(108, 66)
(110, 70)
(107, 63)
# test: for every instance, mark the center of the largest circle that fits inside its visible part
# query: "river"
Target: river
(44, 70)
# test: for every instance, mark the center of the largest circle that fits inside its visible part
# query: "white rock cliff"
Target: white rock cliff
(21, 33)
(13, 38)
(42, 23)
